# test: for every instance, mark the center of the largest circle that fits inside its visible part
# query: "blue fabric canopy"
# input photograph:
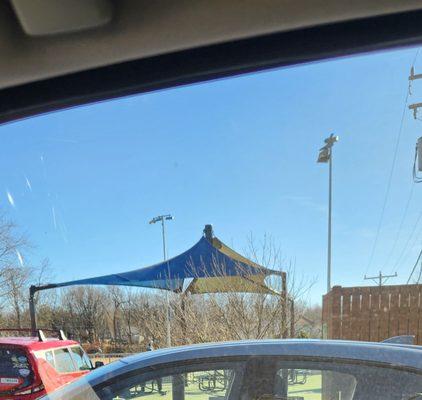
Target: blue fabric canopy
(206, 260)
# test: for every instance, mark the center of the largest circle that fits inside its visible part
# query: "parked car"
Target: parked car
(33, 366)
(249, 370)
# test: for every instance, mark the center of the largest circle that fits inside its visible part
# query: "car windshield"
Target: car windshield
(280, 204)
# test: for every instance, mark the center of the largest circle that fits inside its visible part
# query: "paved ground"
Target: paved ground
(311, 390)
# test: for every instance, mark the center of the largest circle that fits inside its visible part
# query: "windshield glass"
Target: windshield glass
(272, 205)
(15, 368)
(256, 378)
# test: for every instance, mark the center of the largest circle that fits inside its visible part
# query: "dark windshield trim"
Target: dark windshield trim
(211, 62)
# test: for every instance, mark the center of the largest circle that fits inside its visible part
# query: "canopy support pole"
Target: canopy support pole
(208, 232)
(284, 333)
(32, 311)
(183, 317)
(284, 305)
(292, 318)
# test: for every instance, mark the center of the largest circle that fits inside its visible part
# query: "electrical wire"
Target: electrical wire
(399, 230)
(414, 268)
(400, 258)
(420, 275)
(390, 177)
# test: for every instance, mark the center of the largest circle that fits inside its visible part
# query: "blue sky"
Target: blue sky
(239, 153)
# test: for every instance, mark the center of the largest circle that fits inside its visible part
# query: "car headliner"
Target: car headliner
(141, 29)
(378, 353)
(154, 45)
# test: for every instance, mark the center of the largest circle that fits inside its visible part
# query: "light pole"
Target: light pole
(326, 155)
(162, 219)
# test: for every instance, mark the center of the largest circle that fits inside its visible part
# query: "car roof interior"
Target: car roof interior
(42, 40)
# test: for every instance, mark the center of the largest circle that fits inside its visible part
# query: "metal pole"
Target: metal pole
(330, 189)
(32, 312)
(292, 318)
(164, 238)
(283, 305)
(325, 155)
(183, 317)
(168, 327)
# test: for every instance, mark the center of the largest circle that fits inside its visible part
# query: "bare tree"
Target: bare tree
(85, 308)
(235, 308)
(12, 244)
(243, 308)
(16, 282)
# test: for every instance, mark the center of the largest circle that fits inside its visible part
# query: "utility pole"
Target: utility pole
(162, 219)
(417, 164)
(325, 155)
(380, 279)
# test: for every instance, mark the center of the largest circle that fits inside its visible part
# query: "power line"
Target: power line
(390, 177)
(415, 225)
(406, 208)
(420, 274)
(414, 267)
(413, 245)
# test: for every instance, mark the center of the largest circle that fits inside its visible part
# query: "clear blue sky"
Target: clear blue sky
(239, 153)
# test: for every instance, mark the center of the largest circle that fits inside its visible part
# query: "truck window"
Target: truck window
(64, 362)
(48, 355)
(82, 361)
(15, 368)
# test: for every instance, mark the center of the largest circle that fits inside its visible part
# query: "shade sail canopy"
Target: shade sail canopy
(208, 267)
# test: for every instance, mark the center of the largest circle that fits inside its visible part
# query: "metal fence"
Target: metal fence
(373, 313)
(107, 358)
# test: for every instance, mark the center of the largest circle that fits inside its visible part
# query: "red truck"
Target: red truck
(33, 366)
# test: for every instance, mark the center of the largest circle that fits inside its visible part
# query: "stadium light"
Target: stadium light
(325, 156)
(162, 219)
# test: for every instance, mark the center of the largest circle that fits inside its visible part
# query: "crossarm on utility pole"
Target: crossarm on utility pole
(415, 108)
(380, 278)
(414, 76)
